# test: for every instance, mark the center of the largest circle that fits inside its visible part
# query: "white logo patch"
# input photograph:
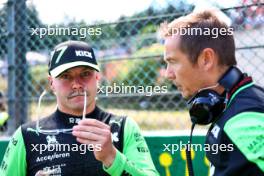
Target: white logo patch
(115, 137)
(83, 53)
(74, 120)
(51, 140)
(212, 170)
(215, 131)
(53, 170)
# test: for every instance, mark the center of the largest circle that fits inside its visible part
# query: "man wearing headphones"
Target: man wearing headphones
(202, 67)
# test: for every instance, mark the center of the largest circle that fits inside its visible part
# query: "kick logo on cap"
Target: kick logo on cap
(83, 53)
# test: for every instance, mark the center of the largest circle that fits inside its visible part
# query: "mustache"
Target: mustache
(77, 93)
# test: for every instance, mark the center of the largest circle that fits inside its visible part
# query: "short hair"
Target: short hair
(193, 45)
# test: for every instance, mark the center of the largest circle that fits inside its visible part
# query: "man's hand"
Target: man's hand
(91, 131)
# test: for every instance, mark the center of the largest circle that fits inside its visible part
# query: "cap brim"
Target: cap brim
(58, 70)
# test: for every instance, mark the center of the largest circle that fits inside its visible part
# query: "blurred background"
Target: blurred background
(128, 50)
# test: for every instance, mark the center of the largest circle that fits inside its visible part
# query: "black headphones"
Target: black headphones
(207, 105)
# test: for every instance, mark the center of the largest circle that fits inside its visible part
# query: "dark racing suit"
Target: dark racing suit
(26, 156)
(239, 133)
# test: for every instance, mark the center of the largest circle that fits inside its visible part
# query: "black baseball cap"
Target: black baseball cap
(71, 54)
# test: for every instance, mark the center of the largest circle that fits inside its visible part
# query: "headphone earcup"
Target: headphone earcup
(200, 113)
(206, 106)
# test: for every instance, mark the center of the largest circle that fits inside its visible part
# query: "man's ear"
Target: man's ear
(207, 59)
(51, 83)
(97, 76)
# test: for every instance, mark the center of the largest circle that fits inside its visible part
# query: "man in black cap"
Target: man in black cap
(78, 138)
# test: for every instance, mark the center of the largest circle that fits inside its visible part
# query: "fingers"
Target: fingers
(94, 122)
(87, 141)
(87, 135)
(92, 129)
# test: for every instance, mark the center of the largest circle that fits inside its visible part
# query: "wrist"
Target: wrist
(110, 158)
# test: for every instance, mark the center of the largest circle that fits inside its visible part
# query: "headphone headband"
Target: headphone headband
(231, 77)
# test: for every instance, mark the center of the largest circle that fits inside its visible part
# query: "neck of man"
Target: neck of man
(216, 77)
(78, 112)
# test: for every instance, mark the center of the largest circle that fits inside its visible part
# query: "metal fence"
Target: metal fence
(129, 53)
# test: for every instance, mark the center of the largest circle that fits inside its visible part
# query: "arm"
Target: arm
(136, 159)
(246, 131)
(14, 161)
